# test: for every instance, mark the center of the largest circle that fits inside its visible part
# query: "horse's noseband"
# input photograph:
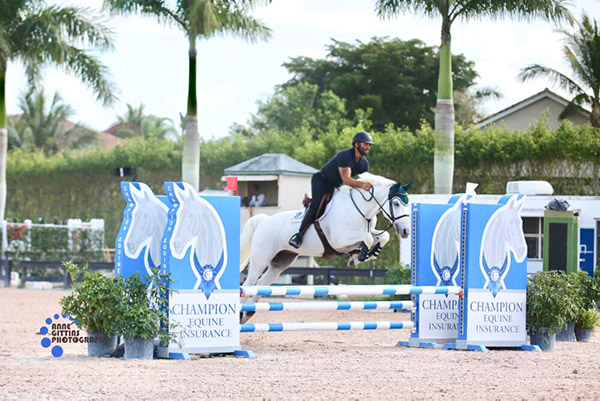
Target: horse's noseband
(391, 214)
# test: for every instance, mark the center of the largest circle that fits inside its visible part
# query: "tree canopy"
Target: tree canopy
(394, 78)
(582, 53)
(297, 107)
(135, 123)
(44, 125)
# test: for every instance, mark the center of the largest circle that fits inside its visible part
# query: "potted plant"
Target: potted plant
(143, 314)
(573, 290)
(94, 305)
(587, 320)
(547, 307)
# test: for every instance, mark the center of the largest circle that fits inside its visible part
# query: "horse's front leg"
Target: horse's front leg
(381, 239)
(364, 242)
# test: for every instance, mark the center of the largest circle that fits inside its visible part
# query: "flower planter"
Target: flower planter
(543, 339)
(101, 345)
(583, 335)
(139, 348)
(567, 333)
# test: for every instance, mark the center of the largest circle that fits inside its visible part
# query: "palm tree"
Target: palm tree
(582, 52)
(450, 10)
(37, 35)
(38, 128)
(133, 115)
(138, 124)
(198, 19)
(48, 129)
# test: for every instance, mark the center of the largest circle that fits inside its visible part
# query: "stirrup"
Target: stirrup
(296, 240)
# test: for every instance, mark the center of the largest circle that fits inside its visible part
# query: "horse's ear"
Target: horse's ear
(146, 194)
(136, 193)
(406, 186)
(520, 202)
(184, 192)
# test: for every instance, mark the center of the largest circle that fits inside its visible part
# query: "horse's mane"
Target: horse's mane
(372, 179)
(375, 179)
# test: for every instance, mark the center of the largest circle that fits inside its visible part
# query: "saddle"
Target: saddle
(322, 206)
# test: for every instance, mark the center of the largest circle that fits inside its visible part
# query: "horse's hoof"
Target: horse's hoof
(245, 316)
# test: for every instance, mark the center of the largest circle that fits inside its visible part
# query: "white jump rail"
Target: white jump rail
(403, 289)
(326, 305)
(323, 326)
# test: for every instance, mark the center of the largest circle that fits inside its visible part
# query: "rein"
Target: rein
(391, 216)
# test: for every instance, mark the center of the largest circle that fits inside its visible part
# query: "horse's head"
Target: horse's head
(513, 228)
(398, 209)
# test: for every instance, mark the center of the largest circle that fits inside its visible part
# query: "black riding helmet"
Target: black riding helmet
(362, 136)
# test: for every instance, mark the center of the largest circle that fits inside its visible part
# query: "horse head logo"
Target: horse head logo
(148, 221)
(446, 245)
(199, 229)
(503, 235)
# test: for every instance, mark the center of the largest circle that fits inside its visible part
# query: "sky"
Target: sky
(149, 61)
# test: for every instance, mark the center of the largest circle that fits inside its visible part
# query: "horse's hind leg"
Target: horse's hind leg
(280, 262)
(254, 273)
(277, 265)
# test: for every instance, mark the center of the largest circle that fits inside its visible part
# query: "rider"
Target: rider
(337, 171)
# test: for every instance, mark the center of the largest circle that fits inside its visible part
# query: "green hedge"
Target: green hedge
(82, 184)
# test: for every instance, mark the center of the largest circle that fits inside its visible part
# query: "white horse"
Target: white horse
(502, 235)
(348, 223)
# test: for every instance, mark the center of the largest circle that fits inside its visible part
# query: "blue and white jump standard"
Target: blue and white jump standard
(482, 247)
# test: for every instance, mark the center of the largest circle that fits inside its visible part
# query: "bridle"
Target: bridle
(381, 207)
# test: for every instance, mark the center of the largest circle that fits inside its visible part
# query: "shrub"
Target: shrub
(550, 301)
(96, 302)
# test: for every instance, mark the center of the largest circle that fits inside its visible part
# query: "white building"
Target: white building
(521, 115)
(282, 180)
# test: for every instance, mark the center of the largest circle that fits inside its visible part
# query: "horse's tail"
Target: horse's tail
(246, 238)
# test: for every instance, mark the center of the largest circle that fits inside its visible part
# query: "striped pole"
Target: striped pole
(321, 326)
(347, 290)
(326, 305)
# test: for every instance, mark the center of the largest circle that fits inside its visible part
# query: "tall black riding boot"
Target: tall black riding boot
(296, 240)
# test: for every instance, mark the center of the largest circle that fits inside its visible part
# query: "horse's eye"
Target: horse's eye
(396, 204)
